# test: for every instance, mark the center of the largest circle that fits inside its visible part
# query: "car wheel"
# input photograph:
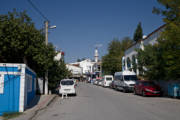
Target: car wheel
(115, 87)
(143, 93)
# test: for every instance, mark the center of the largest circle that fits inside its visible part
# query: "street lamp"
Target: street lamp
(52, 27)
(46, 42)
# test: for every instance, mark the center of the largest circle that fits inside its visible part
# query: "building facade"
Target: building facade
(131, 53)
(76, 71)
(59, 56)
(86, 65)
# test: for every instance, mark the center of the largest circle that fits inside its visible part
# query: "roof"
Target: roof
(162, 26)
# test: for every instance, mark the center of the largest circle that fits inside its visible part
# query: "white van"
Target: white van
(125, 80)
(107, 80)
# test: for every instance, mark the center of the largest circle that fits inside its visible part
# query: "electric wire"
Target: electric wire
(37, 10)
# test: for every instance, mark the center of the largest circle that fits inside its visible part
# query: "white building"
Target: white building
(75, 70)
(130, 53)
(59, 56)
(86, 65)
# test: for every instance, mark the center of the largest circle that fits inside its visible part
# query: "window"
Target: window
(1, 84)
(128, 62)
(148, 84)
(118, 77)
(29, 82)
(68, 82)
(108, 78)
(130, 77)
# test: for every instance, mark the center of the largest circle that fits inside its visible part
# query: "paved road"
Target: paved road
(97, 103)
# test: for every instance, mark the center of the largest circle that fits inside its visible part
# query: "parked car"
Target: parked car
(147, 88)
(107, 80)
(125, 81)
(95, 82)
(67, 86)
(100, 82)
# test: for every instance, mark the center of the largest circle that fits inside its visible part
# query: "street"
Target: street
(98, 103)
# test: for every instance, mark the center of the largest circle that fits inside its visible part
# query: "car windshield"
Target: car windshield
(68, 82)
(148, 84)
(109, 78)
(130, 77)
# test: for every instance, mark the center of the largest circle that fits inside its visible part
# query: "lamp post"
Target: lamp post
(46, 42)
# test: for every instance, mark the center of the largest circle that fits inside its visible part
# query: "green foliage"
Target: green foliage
(57, 72)
(11, 115)
(138, 34)
(171, 11)
(161, 61)
(169, 43)
(150, 62)
(21, 42)
(112, 62)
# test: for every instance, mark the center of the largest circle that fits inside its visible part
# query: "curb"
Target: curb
(31, 114)
(39, 108)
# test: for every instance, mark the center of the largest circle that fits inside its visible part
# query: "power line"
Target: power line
(37, 10)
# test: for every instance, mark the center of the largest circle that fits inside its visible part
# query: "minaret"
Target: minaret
(96, 55)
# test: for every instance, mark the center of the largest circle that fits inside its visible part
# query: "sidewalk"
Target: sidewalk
(40, 102)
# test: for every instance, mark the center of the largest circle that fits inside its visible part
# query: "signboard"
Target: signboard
(1, 84)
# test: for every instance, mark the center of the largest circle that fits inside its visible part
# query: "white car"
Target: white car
(100, 83)
(107, 80)
(67, 86)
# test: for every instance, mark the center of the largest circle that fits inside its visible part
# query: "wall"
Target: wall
(74, 69)
(14, 96)
(31, 85)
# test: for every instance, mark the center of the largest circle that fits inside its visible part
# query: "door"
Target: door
(121, 81)
(10, 96)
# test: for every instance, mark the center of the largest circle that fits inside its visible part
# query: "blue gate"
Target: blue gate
(9, 101)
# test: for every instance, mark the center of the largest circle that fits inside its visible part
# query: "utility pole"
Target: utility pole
(46, 73)
(46, 42)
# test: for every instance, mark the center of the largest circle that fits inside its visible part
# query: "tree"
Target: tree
(21, 42)
(162, 60)
(78, 60)
(57, 72)
(150, 62)
(112, 62)
(138, 34)
(169, 42)
(171, 12)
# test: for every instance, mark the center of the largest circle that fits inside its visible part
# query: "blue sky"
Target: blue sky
(83, 23)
